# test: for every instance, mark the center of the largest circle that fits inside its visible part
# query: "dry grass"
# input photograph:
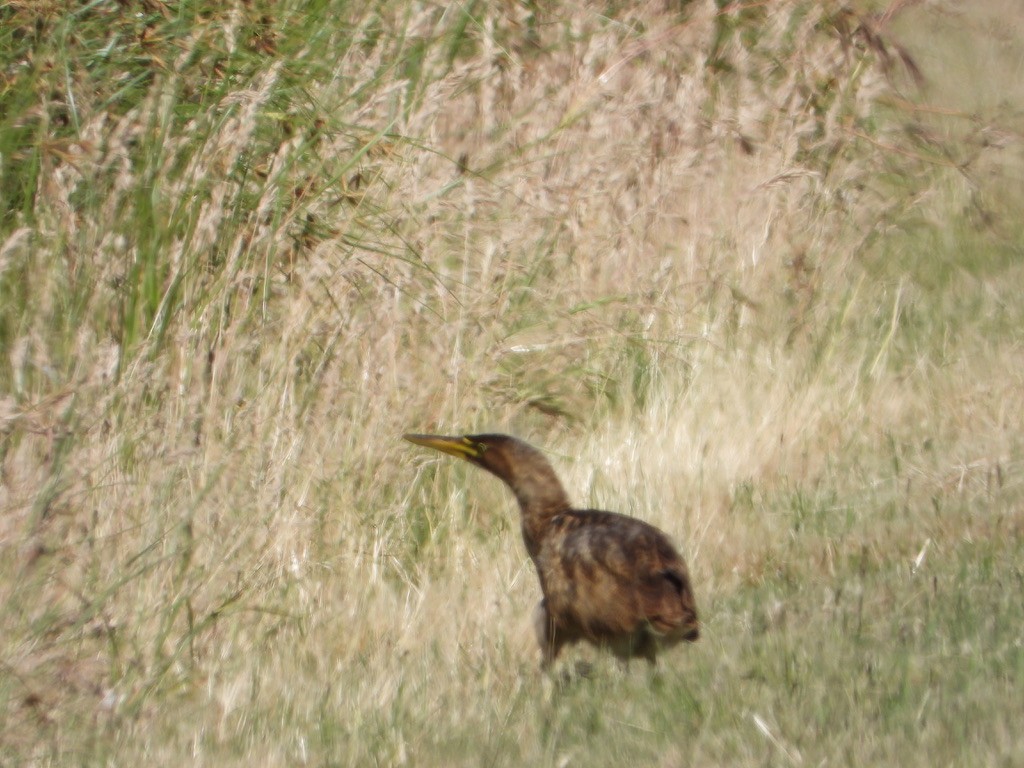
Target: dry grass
(731, 264)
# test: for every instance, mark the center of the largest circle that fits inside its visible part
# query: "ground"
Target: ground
(749, 274)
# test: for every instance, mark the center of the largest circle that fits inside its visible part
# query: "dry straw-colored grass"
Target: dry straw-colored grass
(645, 239)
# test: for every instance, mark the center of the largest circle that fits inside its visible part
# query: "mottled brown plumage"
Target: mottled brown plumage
(609, 579)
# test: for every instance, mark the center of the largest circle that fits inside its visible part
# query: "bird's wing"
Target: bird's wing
(616, 574)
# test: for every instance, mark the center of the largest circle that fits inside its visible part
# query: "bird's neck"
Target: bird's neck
(532, 479)
(540, 499)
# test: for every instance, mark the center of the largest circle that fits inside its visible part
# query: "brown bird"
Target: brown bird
(609, 579)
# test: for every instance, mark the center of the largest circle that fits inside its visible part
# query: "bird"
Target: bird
(607, 579)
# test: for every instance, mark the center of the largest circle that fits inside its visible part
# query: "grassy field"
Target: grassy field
(749, 271)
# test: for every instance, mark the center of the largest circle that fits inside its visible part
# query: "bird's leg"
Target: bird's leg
(649, 650)
(547, 637)
(646, 647)
(640, 646)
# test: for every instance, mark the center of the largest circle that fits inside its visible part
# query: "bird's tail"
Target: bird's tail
(670, 605)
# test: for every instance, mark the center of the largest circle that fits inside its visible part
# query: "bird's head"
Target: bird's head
(520, 465)
(486, 451)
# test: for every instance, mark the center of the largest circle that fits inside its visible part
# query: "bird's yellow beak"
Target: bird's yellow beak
(462, 447)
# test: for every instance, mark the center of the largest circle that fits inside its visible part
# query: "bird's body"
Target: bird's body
(609, 579)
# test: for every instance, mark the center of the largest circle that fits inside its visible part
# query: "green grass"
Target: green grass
(874, 664)
(739, 273)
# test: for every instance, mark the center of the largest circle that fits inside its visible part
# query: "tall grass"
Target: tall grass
(747, 272)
